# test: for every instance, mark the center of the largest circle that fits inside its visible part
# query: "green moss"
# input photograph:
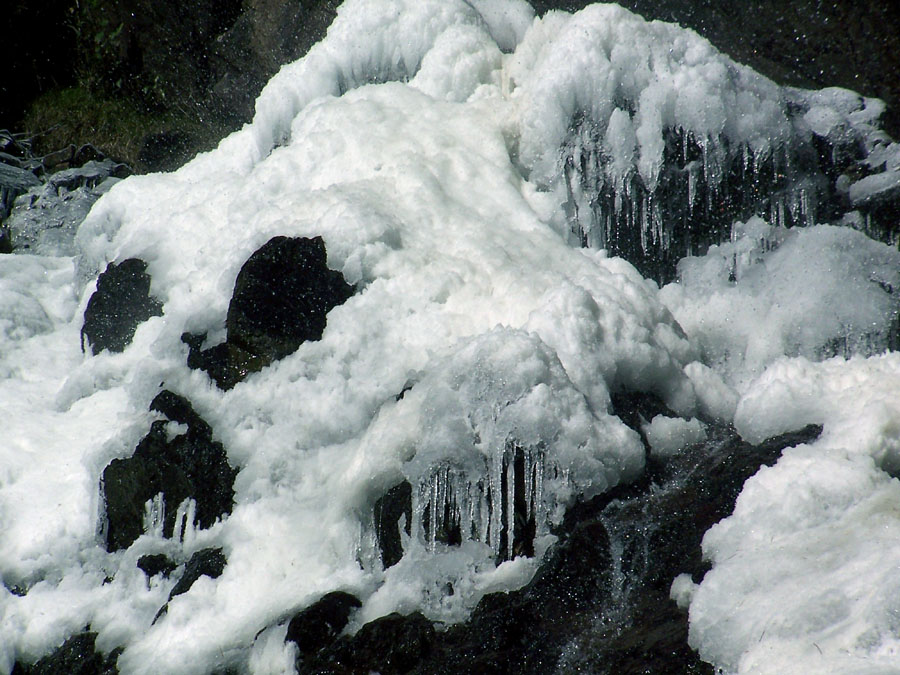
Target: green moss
(74, 116)
(116, 126)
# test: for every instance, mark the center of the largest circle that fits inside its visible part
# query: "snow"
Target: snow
(773, 292)
(668, 435)
(425, 141)
(804, 571)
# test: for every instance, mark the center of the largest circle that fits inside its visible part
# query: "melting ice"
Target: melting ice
(454, 156)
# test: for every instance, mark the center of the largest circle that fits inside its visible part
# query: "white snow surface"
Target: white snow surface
(668, 435)
(804, 575)
(421, 140)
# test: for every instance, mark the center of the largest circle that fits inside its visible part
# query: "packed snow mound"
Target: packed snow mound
(814, 292)
(431, 144)
(504, 341)
(804, 571)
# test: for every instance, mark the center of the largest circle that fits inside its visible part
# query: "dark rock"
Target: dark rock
(208, 562)
(268, 34)
(166, 150)
(391, 645)
(5, 240)
(76, 656)
(281, 298)
(226, 363)
(45, 219)
(121, 302)
(90, 175)
(600, 602)
(321, 623)
(190, 465)
(282, 295)
(396, 503)
(155, 564)
(13, 182)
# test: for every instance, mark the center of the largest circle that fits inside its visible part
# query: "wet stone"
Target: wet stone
(155, 564)
(281, 298)
(209, 562)
(389, 509)
(120, 304)
(76, 656)
(321, 623)
(188, 464)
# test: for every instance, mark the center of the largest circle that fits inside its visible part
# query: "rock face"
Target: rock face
(389, 509)
(320, 624)
(178, 460)
(281, 298)
(600, 602)
(208, 562)
(76, 656)
(13, 182)
(157, 563)
(121, 302)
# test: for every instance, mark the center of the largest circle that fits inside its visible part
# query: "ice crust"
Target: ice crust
(772, 292)
(804, 571)
(427, 141)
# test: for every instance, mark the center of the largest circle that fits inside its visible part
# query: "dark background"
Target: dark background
(152, 81)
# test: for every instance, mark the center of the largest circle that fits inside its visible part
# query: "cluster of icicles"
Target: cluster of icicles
(705, 185)
(504, 508)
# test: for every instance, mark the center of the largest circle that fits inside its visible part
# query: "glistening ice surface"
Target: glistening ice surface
(426, 143)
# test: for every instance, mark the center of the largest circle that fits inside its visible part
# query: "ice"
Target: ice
(668, 435)
(449, 154)
(811, 292)
(817, 528)
(510, 339)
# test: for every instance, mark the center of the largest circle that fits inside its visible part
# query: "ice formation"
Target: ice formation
(446, 151)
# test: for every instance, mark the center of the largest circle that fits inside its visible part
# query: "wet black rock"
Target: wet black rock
(282, 295)
(281, 298)
(13, 182)
(157, 563)
(5, 240)
(120, 304)
(76, 656)
(180, 463)
(600, 601)
(395, 504)
(391, 645)
(319, 625)
(209, 562)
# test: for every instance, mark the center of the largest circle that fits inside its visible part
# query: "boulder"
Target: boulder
(76, 656)
(281, 298)
(209, 562)
(319, 625)
(600, 601)
(395, 504)
(391, 645)
(45, 219)
(157, 563)
(121, 302)
(187, 465)
(13, 182)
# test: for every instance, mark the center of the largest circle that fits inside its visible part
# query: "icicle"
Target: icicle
(510, 503)
(155, 515)
(184, 521)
